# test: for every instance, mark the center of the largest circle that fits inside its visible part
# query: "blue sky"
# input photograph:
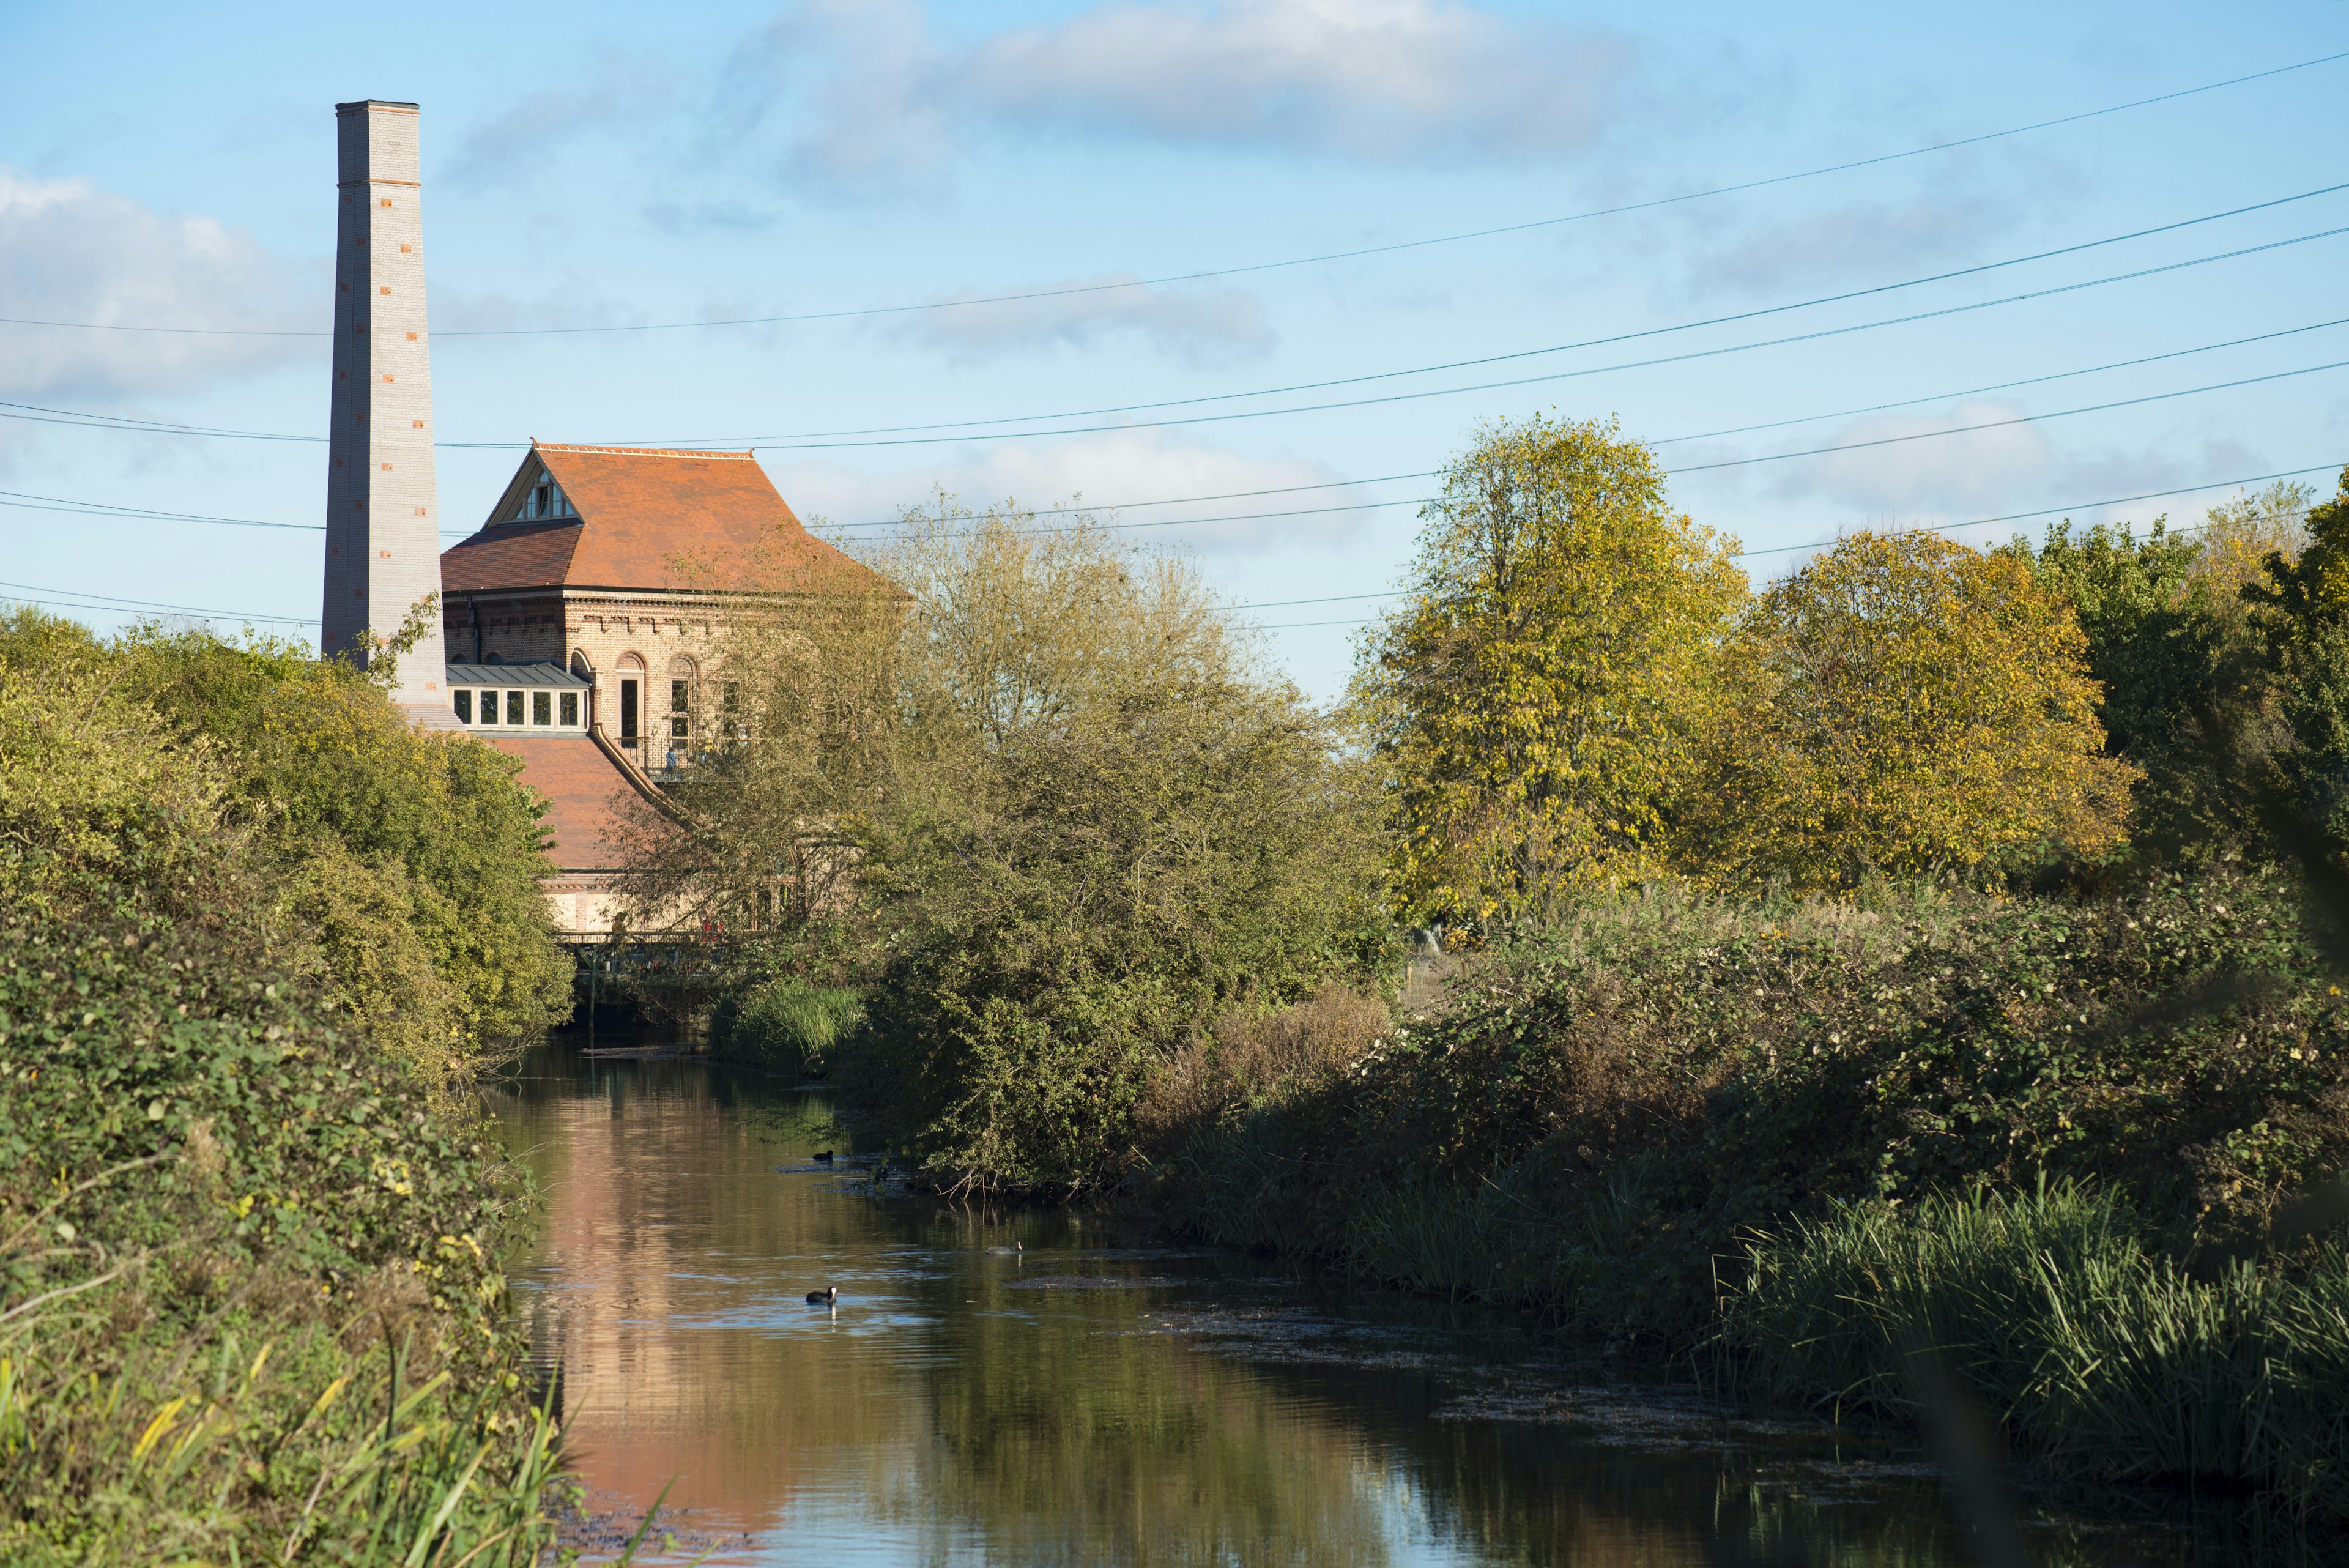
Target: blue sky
(622, 166)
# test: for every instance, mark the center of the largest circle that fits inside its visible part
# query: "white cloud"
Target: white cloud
(1202, 325)
(1868, 239)
(1374, 79)
(1919, 468)
(1110, 471)
(511, 148)
(72, 252)
(857, 85)
(867, 99)
(1948, 478)
(575, 302)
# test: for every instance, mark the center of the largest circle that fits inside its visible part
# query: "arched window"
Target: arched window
(632, 686)
(584, 668)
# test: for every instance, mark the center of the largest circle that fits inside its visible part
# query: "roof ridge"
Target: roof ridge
(745, 455)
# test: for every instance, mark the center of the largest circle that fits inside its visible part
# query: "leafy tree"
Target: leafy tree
(2186, 694)
(173, 778)
(1537, 693)
(1907, 705)
(103, 808)
(2306, 617)
(324, 766)
(1066, 815)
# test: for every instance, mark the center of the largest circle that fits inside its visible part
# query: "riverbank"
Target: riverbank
(1039, 1383)
(1732, 1130)
(254, 1311)
(259, 937)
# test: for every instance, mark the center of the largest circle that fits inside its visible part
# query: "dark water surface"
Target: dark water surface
(1084, 1402)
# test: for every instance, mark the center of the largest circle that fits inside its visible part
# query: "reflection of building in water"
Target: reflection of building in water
(674, 1301)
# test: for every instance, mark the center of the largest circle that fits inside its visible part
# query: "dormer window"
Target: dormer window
(544, 499)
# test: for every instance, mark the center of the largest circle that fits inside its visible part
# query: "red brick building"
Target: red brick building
(585, 623)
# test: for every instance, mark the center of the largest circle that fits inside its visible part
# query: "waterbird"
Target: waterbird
(828, 1296)
(824, 1158)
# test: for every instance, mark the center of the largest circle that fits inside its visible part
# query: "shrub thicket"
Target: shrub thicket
(164, 774)
(252, 1310)
(1609, 1107)
(255, 927)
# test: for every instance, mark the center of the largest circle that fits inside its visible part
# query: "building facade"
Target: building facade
(579, 626)
(623, 565)
(585, 625)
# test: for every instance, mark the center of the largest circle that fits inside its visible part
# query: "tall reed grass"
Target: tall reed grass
(792, 1025)
(2104, 1357)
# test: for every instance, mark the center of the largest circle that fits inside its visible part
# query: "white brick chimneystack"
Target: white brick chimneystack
(383, 509)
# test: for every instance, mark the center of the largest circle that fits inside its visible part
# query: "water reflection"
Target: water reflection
(1085, 1402)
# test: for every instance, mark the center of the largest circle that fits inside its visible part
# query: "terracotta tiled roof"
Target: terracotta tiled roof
(585, 793)
(654, 519)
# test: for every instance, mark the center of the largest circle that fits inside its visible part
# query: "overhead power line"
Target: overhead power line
(109, 602)
(783, 444)
(1114, 286)
(1609, 340)
(2327, 468)
(68, 506)
(47, 415)
(113, 604)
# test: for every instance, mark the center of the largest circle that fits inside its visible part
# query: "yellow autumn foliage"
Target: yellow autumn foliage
(1903, 705)
(1537, 693)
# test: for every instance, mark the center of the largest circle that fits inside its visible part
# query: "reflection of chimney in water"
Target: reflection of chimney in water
(383, 512)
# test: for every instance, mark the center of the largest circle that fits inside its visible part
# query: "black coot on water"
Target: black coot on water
(828, 1296)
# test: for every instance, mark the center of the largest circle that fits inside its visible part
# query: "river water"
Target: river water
(1026, 1387)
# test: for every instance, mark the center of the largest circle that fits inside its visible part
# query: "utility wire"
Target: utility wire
(108, 602)
(1829, 543)
(1780, 456)
(990, 428)
(1657, 441)
(1735, 316)
(27, 501)
(1295, 626)
(1823, 333)
(1326, 257)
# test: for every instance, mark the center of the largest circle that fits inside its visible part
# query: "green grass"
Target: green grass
(791, 1024)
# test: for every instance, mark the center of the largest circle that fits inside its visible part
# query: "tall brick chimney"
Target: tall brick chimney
(383, 509)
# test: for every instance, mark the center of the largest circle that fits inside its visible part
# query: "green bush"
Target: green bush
(164, 778)
(791, 1023)
(2106, 1358)
(1605, 1109)
(249, 1302)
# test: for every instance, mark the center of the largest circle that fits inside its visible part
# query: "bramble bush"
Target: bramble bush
(254, 1310)
(1609, 1106)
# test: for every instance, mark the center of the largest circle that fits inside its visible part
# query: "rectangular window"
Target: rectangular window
(464, 707)
(627, 713)
(571, 707)
(680, 710)
(542, 707)
(513, 709)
